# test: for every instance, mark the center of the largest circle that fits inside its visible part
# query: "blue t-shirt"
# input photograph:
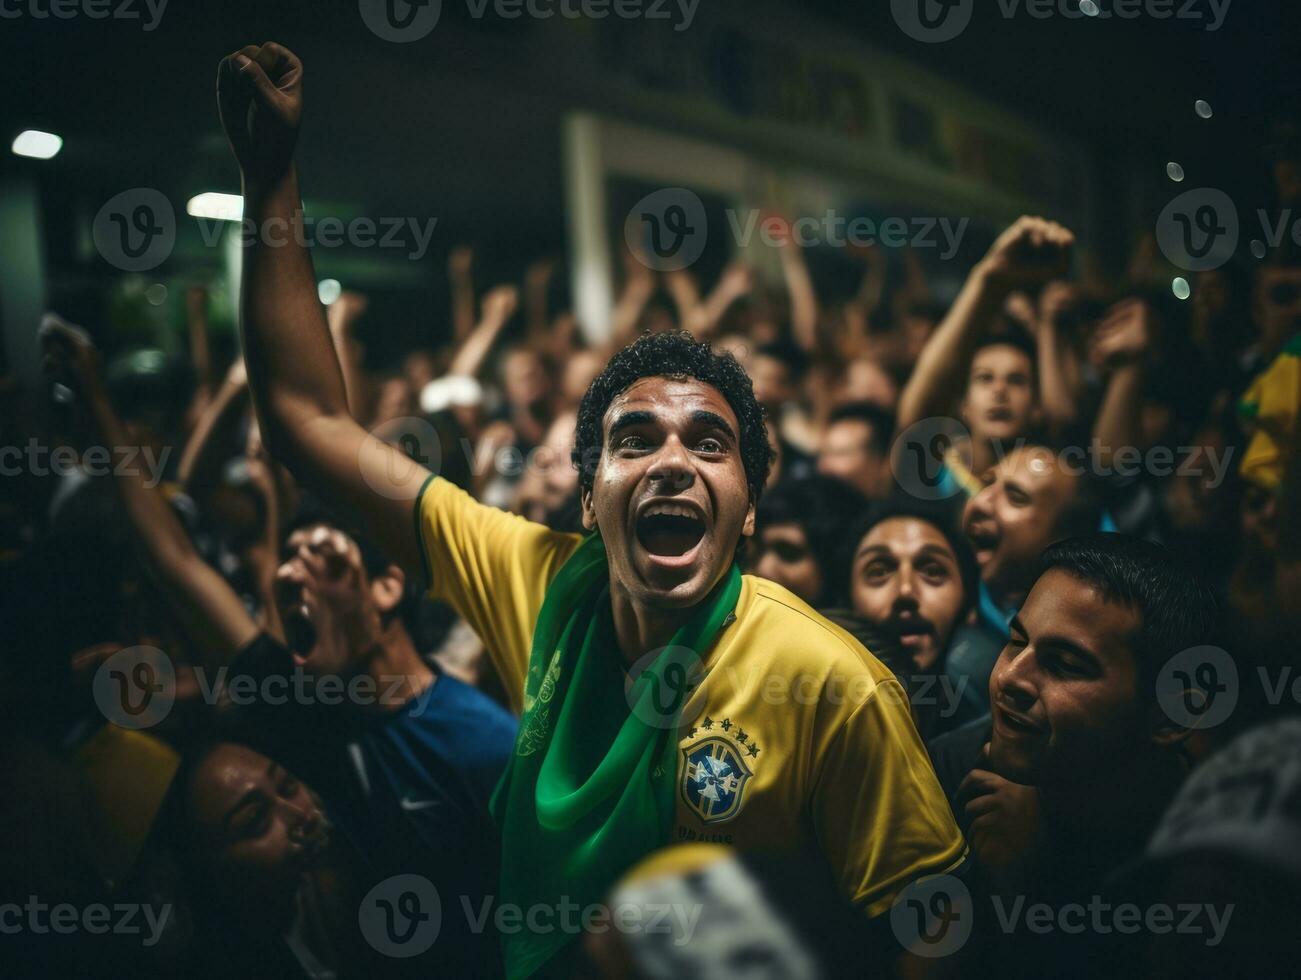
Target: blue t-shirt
(408, 788)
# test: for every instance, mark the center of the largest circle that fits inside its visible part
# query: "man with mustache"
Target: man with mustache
(912, 574)
(665, 697)
(1068, 776)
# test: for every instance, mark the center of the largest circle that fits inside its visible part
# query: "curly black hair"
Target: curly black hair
(673, 354)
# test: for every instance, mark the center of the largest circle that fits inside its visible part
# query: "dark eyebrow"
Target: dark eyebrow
(874, 549)
(629, 419)
(248, 798)
(1016, 626)
(938, 551)
(705, 417)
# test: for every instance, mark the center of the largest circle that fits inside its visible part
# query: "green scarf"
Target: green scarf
(589, 790)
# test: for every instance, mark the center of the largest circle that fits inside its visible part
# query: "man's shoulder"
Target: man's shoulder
(801, 638)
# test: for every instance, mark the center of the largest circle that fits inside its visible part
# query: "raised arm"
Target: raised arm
(1028, 253)
(1120, 347)
(298, 389)
(803, 297)
(214, 617)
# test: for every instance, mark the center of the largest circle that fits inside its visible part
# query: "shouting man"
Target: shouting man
(747, 718)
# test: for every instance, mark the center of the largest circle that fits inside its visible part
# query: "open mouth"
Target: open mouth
(912, 632)
(300, 635)
(984, 542)
(1015, 724)
(669, 530)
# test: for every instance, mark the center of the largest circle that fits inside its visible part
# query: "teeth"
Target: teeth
(669, 510)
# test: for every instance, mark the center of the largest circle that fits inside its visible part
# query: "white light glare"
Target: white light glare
(210, 204)
(36, 144)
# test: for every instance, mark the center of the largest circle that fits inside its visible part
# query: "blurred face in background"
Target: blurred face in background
(867, 381)
(848, 453)
(394, 400)
(782, 555)
(906, 579)
(581, 370)
(1000, 399)
(524, 378)
(773, 386)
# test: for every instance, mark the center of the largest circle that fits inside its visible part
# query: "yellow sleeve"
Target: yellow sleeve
(878, 811)
(493, 568)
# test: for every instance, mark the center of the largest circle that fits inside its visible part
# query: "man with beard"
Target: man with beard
(664, 695)
(912, 575)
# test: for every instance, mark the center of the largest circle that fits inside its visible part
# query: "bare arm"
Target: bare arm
(498, 307)
(459, 264)
(213, 614)
(1031, 251)
(342, 316)
(804, 300)
(298, 389)
(203, 456)
(1057, 389)
(1120, 345)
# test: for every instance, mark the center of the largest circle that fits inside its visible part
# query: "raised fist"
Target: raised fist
(1124, 335)
(1029, 253)
(499, 303)
(68, 355)
(260, 98)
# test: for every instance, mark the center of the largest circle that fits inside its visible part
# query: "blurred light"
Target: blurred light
(328, 290)
(450, 391)
(156, 294)
(1089, 8)
(1181, 288)
(36, 144)
(223, 207)
(1174, 171)
(1258, 248)
(1204, 109)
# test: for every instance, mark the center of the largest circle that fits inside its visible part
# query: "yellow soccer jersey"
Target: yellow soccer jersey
(797, 737)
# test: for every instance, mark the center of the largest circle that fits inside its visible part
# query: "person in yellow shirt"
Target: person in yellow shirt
(663, 695)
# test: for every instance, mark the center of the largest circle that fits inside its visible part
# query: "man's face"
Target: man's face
(906, 580)
(783, 556)
(326, 600)
(846, 454)
(259, 827)
(670, 496)
(1017, 515)
(1000, 400)
(1063, 692)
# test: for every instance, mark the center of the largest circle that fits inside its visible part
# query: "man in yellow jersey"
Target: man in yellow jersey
(664, 696)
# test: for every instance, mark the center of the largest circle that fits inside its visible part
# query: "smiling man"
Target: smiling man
(1068, 777)
(664, 696)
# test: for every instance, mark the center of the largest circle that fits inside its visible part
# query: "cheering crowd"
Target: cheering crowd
(788, 633)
